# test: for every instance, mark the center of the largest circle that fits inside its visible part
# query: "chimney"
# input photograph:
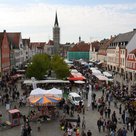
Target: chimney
(111, 37)
(4, 31)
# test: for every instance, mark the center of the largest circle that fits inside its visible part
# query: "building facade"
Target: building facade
(80, 50)
(5, 54)
(118, 50)
(131, 66)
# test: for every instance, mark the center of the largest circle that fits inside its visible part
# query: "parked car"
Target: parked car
(75, 98)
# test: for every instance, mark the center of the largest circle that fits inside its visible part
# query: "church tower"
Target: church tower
(56, 35)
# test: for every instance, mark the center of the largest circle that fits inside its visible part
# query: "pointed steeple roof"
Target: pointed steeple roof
(56, 20)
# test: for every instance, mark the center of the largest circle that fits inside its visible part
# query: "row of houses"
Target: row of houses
(118, 53)
(15, 51)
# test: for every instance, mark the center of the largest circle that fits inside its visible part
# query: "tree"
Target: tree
(59, 67)
(39, 66)
(42, 64)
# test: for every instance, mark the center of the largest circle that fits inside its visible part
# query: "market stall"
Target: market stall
(37, 92)
(14, 117)
(100, 81)
(45, 105)
(76, 76)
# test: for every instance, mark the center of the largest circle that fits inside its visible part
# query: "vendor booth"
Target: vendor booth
(45, 105)
(14, 117)
(76, 76)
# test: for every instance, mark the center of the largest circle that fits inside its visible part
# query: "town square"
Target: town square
(68, 68)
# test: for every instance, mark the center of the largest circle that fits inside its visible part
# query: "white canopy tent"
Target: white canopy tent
(45, 81)
(107, 74)
(37, 91)
(96, 72)
(93, 68)
(102, 78)
(54, 91)
(79, 82)
(74, 71)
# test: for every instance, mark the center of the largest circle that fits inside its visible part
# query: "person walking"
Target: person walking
(124, 132)
(78, 120)
(120, 109)
(135, 132)
(104, 125)
(83, 133)
(83, 123)
(39, 125)
(89, 133)
(108, 112)
(99, 124)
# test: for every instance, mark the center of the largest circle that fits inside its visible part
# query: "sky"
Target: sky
(90, 19)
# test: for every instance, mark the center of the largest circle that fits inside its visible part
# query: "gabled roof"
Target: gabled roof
(122, 39)
(50, 42)
(133, 52)
(95, 45)
(80, 47)
(14, 39)
(105, 45)
(1, 38)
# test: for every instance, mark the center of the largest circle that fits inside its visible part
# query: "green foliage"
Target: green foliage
(39, 67)
(59, 67)
(42, 63)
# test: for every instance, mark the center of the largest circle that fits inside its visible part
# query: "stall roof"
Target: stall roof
(93, 68)
(14, 111)
(96, 72)
(46, 81)
(79, 82)
(100, 62)
(102, 78)
(74, 71)
(107, 74)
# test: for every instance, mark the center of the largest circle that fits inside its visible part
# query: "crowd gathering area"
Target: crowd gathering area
(86, 90)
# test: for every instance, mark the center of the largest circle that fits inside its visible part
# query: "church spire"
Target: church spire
(56, 20)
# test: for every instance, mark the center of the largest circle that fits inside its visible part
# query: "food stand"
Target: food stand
(14, 117)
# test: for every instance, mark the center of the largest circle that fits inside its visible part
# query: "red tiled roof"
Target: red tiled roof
(14, 38)
(95, 45)
(38, 44)
(105, 44)
(80, 47)
(50, 42)
(133, 52)
(1, 38)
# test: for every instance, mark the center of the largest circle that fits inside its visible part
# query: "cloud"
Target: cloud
(89, 22)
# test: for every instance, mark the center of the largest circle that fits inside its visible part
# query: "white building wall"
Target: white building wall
(123, 58)
(101, 57)
(132, 44)
(111, 57)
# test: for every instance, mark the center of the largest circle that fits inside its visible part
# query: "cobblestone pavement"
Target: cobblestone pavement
(51, 128)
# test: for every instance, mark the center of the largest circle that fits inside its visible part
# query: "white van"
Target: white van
(75, 98)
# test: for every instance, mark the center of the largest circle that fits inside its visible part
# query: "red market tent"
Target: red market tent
(76, 76)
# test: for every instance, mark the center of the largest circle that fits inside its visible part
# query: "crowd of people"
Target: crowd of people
(118, 121)
(108, 120)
